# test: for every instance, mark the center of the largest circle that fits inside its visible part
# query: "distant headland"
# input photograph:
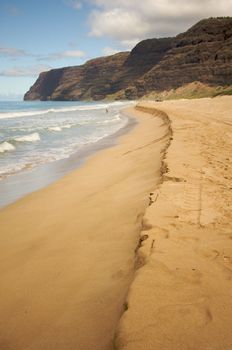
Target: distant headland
(196, 63)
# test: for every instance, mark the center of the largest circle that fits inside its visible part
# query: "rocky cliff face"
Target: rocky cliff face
(203, 53)
(92, 80)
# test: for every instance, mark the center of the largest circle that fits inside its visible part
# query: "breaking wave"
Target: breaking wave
(6, 146)
(28, 138)
(6, 115)
(55, 128)
(59, 128)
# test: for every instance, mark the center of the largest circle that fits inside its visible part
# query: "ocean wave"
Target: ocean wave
(7, 115)
(28, 138)
(55, 128)
(67, 126)
(59, 128)
(55, 148)
(14, 169)
(6, 146)
(116, 118)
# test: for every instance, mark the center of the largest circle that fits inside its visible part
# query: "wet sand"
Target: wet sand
(67, 252)
(18, 185)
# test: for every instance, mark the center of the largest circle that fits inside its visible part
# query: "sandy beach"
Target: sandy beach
(133, 250)
(182, 297)
(68, 251)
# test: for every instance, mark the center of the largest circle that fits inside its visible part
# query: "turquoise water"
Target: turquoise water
(35, 133)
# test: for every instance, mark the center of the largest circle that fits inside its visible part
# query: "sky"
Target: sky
(38, 35)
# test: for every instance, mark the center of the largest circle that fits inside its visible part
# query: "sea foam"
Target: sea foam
(61, 134)
(97, 106)
(59, 128)
(28, 138)
(6, 146)
(7, 115)
(55, 128)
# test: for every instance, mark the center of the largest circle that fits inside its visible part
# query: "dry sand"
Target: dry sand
(67, 251)
(181, 299)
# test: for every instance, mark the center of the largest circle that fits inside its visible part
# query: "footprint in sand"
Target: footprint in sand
(227, 261)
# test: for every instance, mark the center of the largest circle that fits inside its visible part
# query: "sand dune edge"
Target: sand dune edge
(181, 295)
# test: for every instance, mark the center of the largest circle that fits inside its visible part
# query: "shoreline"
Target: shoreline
(132, 250)
(181, 295)
(67, 250)
(16, 186)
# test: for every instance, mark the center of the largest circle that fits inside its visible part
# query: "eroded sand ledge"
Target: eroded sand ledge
(67, 251)
(181, 298)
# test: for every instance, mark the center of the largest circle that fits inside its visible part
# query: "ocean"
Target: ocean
(36, 134)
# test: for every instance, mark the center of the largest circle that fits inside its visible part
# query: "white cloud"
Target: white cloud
(107, 51)
(70, 53)
(129, 44)
(62, 55)
(128, 21)
(12, 52)
(117, 23)
(24, 71)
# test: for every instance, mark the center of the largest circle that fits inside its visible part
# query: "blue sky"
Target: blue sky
(37, 35)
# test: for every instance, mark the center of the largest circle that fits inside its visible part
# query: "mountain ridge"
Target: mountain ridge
(203, 53)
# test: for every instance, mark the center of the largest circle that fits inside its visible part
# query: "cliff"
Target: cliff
(91, 80)
(203, 53)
